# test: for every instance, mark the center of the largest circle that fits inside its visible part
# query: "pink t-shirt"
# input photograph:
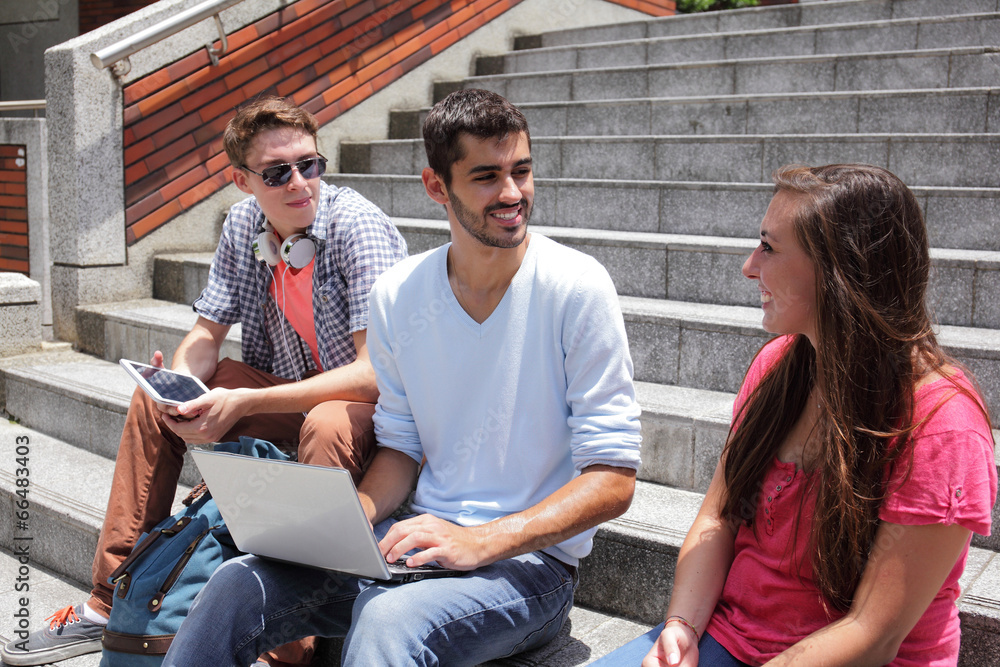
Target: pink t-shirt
(293, 290)
(770, 601)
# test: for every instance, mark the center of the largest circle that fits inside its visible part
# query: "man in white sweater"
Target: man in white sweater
(506, 404)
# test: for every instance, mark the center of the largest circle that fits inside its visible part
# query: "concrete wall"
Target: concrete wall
(27, 29)
(91, 263)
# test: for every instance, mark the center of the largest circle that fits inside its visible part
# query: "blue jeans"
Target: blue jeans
(710, 652)
(251, 605)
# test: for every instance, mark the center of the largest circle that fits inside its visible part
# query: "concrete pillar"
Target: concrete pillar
(31, 133)
(86, 200)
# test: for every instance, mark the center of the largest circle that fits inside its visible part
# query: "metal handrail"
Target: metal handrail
(22, 105)
(117, 55)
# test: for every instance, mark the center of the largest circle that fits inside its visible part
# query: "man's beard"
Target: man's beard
(478, 228)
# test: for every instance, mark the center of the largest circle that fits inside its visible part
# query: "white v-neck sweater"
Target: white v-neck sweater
(509, 410)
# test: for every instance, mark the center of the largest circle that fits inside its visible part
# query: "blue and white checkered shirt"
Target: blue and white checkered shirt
(355, 242)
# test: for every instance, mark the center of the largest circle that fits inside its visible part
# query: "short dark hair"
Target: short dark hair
(266, 113)
(481, 113)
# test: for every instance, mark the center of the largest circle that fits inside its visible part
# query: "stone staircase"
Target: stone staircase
(653, 143)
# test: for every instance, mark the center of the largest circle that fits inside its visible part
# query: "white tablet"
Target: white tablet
(164, 385)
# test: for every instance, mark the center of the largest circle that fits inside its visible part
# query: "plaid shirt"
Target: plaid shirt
(355, 242)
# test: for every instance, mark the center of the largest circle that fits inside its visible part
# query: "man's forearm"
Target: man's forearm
(387, 483)
(598, 494)
(353, 382)
(198, 353)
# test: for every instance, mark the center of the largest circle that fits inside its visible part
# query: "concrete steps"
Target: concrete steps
(925, 32)
(685, 385)
(708, 268)
(703, 268)
(958, 218)
(88, 395)
(709, 346)
(930, 111)
(686, 395)
(109, 331)
(949, 160)
(642, 101)
(829, 12)
(67, 495)
(900, 70)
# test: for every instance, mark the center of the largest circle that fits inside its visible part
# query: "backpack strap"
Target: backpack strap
(122, 569)
(175, 572)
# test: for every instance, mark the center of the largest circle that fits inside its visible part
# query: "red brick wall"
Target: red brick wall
(326, 55)
(13, 209)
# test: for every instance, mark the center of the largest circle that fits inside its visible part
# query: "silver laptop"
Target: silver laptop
(298, 513)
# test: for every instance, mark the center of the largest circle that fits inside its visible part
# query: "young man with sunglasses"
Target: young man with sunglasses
(293, 267)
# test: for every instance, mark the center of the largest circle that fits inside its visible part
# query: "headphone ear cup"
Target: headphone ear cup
(298, 250)
(266, 248)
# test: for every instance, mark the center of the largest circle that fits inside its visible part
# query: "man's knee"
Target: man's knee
(339, 434)
(233, 576)
(378, 605)
(374, 611)
(343, 421)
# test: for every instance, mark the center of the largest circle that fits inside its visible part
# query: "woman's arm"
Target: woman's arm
(907, 568)
(702, 568)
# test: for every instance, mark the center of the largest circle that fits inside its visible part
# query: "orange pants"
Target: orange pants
(150, 455)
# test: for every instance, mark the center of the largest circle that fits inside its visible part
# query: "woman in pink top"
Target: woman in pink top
(860, 460)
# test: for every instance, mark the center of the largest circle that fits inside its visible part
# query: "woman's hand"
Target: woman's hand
(677, 646)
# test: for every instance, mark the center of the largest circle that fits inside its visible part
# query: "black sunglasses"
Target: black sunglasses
(280, 174)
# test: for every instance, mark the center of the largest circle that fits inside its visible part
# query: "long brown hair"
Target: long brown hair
(864, 232)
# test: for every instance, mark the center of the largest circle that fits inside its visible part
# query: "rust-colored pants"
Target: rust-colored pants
(150, 456)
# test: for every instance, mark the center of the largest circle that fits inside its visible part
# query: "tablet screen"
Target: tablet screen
(169, 385)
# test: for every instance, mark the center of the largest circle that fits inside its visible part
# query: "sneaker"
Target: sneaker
(68, 635)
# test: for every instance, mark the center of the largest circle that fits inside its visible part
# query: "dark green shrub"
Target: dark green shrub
(691, 6)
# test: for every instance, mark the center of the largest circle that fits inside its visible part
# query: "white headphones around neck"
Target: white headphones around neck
(296, 251)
